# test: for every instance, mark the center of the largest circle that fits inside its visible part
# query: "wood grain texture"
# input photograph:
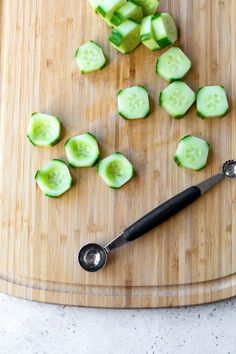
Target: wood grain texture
(190, 259)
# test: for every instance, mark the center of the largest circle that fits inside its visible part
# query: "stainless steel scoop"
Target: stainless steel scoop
(93, 257)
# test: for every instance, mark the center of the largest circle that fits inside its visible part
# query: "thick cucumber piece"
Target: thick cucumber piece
(212, 102)
(106, 8)
(128, 11)
(44, 130)
(149, 6)
(94, 4)
(82, 150)
(192, 152)
(90, 57)
(164, 29)
(173, 64)
(177, 98)
(115, 170)
(133, 102)
(54, 179)
(125, 37)
(147, 34)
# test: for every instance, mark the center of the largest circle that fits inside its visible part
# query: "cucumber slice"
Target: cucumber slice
(44, 130)
(177, 98)
(147, 34)
(82, 150)
(128, 11)
(133, 102)
(125, 37)
(192, 152)
(106, 8)
(212, 102)
(149, 6)
(115, 170)
(90, 57)
(54, 179)
(173, 64)
(164, 29)
(94, 4)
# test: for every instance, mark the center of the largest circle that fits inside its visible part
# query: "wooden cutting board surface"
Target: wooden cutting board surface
(190, 259)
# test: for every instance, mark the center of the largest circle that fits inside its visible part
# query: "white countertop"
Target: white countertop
(29, 328)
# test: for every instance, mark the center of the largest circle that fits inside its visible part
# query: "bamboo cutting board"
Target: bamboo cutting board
(190, 259)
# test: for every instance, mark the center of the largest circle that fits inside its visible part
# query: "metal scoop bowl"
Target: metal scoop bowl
(93, 257)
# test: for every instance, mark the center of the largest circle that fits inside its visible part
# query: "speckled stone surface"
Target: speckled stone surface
(29, 328)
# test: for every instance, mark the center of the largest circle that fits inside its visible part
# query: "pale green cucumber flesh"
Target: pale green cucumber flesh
(177, 98)
(173, 64)
(192, 152)
(44, 129)
(54, 179)
(82, 150)
(147, 34)
(90, 57)
(115, 170)
(133, 102)
(128, 11)
(164, 28)
(149, 6)
(212, 102)
(126, 37)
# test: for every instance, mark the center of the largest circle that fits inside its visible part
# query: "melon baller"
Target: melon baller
(93, 257)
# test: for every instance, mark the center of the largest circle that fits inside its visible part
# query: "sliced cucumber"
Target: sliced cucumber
(173, 64)
(147, 34)
(133, 102)
(128, 11)
(164, 29)
(115, 170)
(212, 102)
(149, 6)
(44, 130)
(125, 37)
(82, 150)
(54, 179)
(106, 8)
(90, 57)
(177, 98)
(94, 4)
(192, 152)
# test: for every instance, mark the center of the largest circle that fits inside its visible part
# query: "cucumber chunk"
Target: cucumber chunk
(147, 34)
(54, 179)
(44, 129)
(128, 11)
(115, 170)
(173, 64)
(149, 6)
(82, 150)
(133, 102)
(177, 98)
(90, 57)
(192, 152)
(164, 29)
(106, 8)
(125, 37)
(212, 102)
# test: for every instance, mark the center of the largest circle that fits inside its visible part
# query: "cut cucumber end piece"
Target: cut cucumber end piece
(212, 102)
(149, 6)
(115, 170)
(44, 129)
(90, 57)
(177, 98)
(126, 37)
(128, 11)
(192, 152)
(147, 34)
(82, 150)
(164, 28)
(173, 64)
(106, 8)
(54, 179)
(133, 102)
